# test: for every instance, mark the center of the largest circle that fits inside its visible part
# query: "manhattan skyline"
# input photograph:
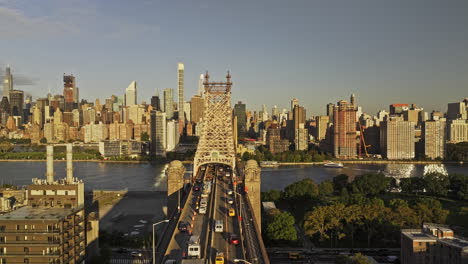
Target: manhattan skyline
(384, 52)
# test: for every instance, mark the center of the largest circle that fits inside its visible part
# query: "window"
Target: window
(18, 238)
(2, 239)
(25, 238)
(26, 260)
(25, 227)
(26, 250)
(17, 227)
(2, 228)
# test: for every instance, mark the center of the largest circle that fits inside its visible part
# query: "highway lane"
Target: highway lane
(220, 241)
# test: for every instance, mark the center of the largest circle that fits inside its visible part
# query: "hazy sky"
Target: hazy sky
(384, 51)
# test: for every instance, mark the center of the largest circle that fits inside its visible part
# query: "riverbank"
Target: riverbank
(371, 162)
(99, 161)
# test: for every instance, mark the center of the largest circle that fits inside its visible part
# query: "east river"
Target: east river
(150, 177)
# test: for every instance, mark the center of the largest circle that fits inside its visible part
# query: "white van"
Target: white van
(202, 210)
(219, 226)
(193, 249)
(203, 202)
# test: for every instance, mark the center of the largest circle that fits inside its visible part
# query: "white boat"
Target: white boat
(269, 163)
(333, 165)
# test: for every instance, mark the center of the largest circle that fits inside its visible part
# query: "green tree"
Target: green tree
(430, 210)
(459, 186)
(436, 184)
(304, 189)
(340, 182)
(6, 146)
(271, 195)
(412, 185)
(145, 136)
(325, 188)
(370, 184)
(281, 227)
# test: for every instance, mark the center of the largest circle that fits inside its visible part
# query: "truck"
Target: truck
(219, 226)
(194, 248)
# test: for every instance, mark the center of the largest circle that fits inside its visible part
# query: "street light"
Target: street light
(154, 238)
(243, 260)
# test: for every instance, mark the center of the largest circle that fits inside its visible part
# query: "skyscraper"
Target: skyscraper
(197, 107)
(294, 102)
(16, 102)
(344, 130)
(7, 82)
(158, 133)
(397, 138)
(239, 112)
(434, 139)
(274, 112)
(68, 89)
(201, 87)
(156, 102)
(457, 110)
(180, 91)
(299, 116)
(330, 107)
(131, 94)
(169, 103)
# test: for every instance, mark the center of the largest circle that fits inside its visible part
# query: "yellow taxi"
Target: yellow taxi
(232, 212)
(219, 258)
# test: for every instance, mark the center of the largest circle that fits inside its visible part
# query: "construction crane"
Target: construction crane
(362, 142)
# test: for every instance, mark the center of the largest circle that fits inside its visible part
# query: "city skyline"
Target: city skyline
(393, 53)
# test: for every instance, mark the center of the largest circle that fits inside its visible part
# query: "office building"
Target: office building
(158, 133)
(434, 136)
(398, 109)
(171, 134)
(457, 110)
(197, 106)
(301, 138)
(274, 141)
(7, 82)
(156, 102)
(169, 103)
(321, 123)
(121, 148)
(299, 116)
(433, 244)
(131, 94)
(457, 131)
(70, 92)
(294, 103)
(344, 130)
(274, 113)
(180, 91)
(330, 109)
(240, 113)
(187, 111)
(16, 102)
(201, 86)
(397, 138)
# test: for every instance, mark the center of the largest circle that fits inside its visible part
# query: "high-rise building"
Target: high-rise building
(294, 102)
(397, 138)
(344, 130)
(432, 244)
(16, 102)
(330, 109)
(197, 106)
(180, 91)
(321, 123)
(131, 94)
(201, 87)
(187, 111)
(398, 109)
(160, 133)
(169, 103)
(458, 110)
(301, 138)
(7, 82)
(275, 113)
(69, 92)
(299, 116)
(274, 141)
(171, 134)
(457, 131)
(353, 100)
(239, 112)
(434, 139)
(156, 102)
(4, 110)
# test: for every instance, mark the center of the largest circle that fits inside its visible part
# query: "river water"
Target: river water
(150, 177)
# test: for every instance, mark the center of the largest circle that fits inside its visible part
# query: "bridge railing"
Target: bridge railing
(258, 233)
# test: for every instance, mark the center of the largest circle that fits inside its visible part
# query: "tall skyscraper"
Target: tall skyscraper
(434, 139)
(180, 91)
(344, 130)
(169, 103)
(197, 107)
(330, 109)
(397, 138)
(158, 133)
(131, 94)
(156, 102)
(7, 83)
(239, 112)
(322, 126)
(274, 113)
(299, 116)
(201, 87)
(457, 110)
(16, 102)
(294, 102)
(353, 100)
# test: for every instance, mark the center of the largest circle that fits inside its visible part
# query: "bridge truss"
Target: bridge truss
(216, 143)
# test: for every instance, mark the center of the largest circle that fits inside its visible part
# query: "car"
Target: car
(230, 192)
(219, 258)
(202, 210)
(233, 239)
(182, 226)
(196, 188)
(230, 201)
(136, 254)
(232, 212)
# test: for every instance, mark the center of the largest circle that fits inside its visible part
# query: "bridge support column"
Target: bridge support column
(175, 184)
(252, 183)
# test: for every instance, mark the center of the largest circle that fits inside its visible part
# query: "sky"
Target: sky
(383, 51)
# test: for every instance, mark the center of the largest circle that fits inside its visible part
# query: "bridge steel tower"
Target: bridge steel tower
(216, 143)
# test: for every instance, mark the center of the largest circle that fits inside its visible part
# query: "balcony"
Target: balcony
(31, 242)
(31, 231)
(30, 254)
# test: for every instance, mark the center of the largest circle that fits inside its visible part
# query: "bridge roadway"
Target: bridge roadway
(203, 224)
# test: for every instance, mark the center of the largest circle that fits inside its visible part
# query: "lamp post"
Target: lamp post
(243, 260)
(154, 238)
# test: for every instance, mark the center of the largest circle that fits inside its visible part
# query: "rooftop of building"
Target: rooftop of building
(456, 242)
(418, 235)
(42, 213)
